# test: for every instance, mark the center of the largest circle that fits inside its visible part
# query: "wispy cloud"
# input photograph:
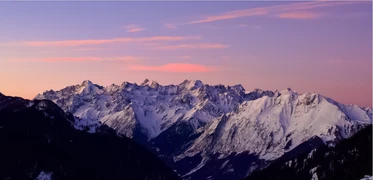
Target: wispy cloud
(192, 46)
(76, 59)
(231, 15)
(128, 58)
(154, 44)
(170, 26)
(89, 49)
(174, 67)
(67, 43)
(265, 11)
(133, 28)
(136, 30)
(57, 59)
(299, 15)
(213, 27)
(243, 25)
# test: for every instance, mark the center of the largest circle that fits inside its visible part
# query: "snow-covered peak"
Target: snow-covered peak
(156, 109)
(238, 88)
(126, 84)
(270, 126)
(147, 82)
(191, 84)
(87, 83)
(288, 91)
(259, 92)
(88, 87)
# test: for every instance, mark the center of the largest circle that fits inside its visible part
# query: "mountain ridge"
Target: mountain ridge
(208, 123)
(148, 82)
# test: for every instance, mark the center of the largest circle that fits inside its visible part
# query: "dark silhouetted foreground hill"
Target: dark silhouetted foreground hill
(38, 141)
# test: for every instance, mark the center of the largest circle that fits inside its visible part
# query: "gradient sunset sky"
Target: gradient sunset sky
(323, 47)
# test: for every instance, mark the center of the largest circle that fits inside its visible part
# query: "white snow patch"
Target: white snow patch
(314, 173)
(367, 177)
(30, 104)
(44, 176)
(314, 176)
(310, 155)
(289, 163)
(313, 170)
(224, 164)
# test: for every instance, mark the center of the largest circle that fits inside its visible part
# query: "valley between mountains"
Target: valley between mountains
(212, 132)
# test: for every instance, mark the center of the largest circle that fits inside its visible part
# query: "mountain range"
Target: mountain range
(212, 131)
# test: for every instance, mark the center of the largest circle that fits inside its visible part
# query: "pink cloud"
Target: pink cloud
(231, 15)
(264, 11)
(213, 27)
(133, 28)
(76, 59)
(193, 46)
(154, 44)
(311, 5)
(174, 67)
(71, 42)
(67, 43)
(57, 59)
(299, 15)
(136, 30)
(88, 49)
(127, 58)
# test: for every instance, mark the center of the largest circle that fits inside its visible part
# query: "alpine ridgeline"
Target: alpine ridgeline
(211, 132)
(39, 142)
